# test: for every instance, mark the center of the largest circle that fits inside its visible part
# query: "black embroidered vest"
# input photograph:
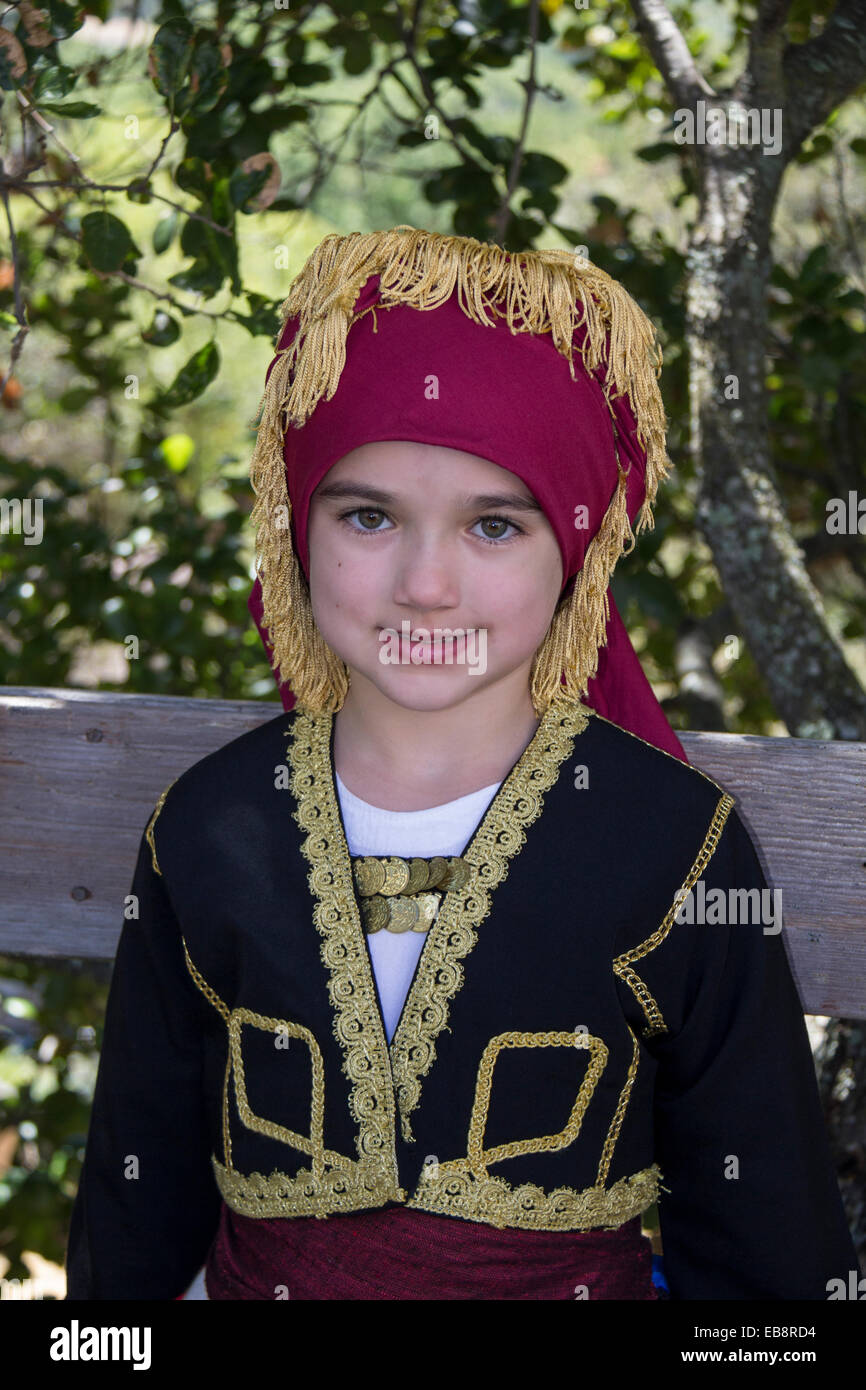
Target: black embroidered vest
(517, 1089)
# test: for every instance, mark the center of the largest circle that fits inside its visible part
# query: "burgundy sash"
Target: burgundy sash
(399, 1253)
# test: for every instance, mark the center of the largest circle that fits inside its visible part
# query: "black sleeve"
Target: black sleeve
(736, 1092)
(145, 1236)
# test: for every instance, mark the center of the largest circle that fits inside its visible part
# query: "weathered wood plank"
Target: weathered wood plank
(81, 771)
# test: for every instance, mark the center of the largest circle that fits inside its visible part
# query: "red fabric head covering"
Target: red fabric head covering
(508, 397)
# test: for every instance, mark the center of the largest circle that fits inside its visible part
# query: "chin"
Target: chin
(427, 687)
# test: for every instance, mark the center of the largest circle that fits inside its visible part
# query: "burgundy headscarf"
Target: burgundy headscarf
(507, 397)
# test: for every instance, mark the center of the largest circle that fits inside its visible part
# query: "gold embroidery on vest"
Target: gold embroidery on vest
(463, 1187)
(314, 1146)
(334, 1183)
(619, 1114)
(210, 995)
(223, 1010)
(227, 1136)
(357, 1024)
(355, 1188)
(452, 1189)
(478, 1157)
(152, 822)
(622, 963)
(499, 837)
(439, 976)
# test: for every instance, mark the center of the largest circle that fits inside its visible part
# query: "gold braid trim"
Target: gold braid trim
(452, 1189)
(464, 1187)
(619, 1114)
(478, 1157)
(361, 1186)
(622, 964)
(550, 292)
(314, 1145)
(497, 840)
(333, 1182)
(380, 1085)
(357, 1024)
(152, 822)
(225, 1014)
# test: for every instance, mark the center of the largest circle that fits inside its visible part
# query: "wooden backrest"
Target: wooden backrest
(80, 773)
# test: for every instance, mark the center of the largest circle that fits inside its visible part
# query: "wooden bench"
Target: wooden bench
(80, 773)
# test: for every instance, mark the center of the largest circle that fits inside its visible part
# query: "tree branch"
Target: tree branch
(24, 328)
(820, 74)
(500, 221)
(670, 52)
(409, 37)
(64, 231)
(763, 70)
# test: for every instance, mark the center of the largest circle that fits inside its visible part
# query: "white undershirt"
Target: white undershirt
(441, 830)
(444, 830)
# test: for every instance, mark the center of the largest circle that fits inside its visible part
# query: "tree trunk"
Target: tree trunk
(740, 508)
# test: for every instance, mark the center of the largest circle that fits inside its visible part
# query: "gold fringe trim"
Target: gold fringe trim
(551, 292)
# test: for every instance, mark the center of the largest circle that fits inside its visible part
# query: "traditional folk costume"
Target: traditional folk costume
(455, 1053)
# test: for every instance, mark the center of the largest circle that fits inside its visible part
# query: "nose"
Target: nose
(427, 575)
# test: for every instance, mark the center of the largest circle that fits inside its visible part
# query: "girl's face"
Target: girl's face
(406, 536)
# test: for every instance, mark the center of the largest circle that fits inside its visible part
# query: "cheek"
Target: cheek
(530, 591)
(519, 613)
(339, 578)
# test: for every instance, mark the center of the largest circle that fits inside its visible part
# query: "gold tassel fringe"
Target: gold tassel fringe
(552, 292)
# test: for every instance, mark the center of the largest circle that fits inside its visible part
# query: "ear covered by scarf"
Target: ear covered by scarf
(408, 335)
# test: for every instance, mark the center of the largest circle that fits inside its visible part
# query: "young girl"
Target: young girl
(413, 1008)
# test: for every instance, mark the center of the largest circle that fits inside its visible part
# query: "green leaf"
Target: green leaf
(308, 74)
(53, 81)
(821, 144)
(463, 184)
(192, 177)
(164, 231)
(358, 53)
(73, 110)
(541, 171)
(76, 398)
(221, 205)
(209, 78)
(163, 331)
(264, 320)
(193, 378)
(65, 19)
(651, 154)
(213, 251)
(244, 186)
(202, 277)
(106, 240)
(170, 54)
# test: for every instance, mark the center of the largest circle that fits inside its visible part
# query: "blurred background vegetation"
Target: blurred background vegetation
(167, 170)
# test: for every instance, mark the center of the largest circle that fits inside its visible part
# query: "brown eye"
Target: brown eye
(499, 521)
(365, 514)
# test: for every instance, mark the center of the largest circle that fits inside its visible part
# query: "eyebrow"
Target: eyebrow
(390, 499)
